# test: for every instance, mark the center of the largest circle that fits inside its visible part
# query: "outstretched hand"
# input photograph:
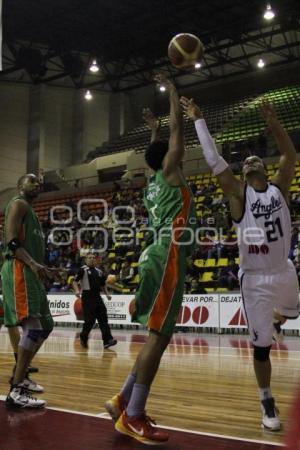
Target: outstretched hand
(268, 112)
(163, 80)
(190, 108)
(150, 119)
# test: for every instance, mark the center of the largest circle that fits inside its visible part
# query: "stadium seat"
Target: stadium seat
(207, 276)
(222, 262)
(210, 262)
(199, 263)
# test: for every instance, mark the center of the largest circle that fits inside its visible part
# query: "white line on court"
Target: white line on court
(105, 416)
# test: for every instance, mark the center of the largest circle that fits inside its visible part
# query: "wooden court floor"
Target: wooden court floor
(205, 383)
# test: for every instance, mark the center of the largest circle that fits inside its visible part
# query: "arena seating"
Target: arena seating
(228, 121)
(207, 268)
(249, 123)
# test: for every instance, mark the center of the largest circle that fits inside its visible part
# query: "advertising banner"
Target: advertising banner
(199, 311)
(68, 308)
(231, 311)
(209, 310)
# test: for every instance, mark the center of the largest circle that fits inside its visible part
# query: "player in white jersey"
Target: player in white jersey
(259, 209)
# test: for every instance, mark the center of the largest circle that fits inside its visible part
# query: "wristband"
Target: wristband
(14, 244)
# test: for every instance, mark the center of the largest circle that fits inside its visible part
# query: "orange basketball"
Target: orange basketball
(78, 309)
(111, 279)
(132, 307)
(185, 50)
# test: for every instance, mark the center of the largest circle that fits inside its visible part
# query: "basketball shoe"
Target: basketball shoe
(83, 341)
(115, 406)
(29, 384)
(19, 397)
(270, 418)
(110, 343)
(141, 428)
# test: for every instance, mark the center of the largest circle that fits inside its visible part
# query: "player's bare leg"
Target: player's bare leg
(263, 371)
(144, 371)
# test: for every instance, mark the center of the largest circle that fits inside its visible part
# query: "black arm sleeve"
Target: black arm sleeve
(79, 275)
(102, 280)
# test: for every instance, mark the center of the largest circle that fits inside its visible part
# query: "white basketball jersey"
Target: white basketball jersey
(264, 231)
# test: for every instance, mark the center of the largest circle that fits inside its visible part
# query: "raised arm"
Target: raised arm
(153, 123)
(231, 186)
(176, 145)
(285, 174)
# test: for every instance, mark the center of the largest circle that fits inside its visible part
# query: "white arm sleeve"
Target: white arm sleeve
(210, 152)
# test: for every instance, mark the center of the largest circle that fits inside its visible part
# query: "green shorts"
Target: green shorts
(158, 299)
(23, 295)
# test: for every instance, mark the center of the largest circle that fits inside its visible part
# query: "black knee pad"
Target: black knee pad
(261, 354)
(34, 335)
(45, 334)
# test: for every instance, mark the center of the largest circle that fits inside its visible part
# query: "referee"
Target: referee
(90, 281)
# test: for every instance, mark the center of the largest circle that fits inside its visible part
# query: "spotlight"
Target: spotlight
(94, 66)
(162, 88)
(269, 13)
(88, 95)
(197, 65)
(260, 63)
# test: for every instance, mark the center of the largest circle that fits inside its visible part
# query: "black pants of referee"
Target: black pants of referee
(95, 309)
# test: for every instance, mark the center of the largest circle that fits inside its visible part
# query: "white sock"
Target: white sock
(265, 393)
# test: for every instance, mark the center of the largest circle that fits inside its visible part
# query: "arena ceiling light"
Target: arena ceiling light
(269, 13)
(94, 67)
(260, 63)
(197, 65)
(162, 88)
(88, 96)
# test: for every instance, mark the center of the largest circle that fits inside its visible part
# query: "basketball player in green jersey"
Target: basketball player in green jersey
(24, 296)
(162, 268)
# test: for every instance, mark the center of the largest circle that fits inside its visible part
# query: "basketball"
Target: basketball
(185, 50)
(132, 308)
(111, 279)
(78, 309)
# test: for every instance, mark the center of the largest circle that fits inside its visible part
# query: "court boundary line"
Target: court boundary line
(182, 430)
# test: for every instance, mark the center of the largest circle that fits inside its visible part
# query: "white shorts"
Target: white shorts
(262, 292)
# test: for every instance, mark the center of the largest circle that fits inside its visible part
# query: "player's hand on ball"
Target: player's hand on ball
(150, 119)
(190, 108)
(268, 112)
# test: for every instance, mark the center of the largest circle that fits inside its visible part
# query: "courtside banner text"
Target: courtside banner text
(209, 310)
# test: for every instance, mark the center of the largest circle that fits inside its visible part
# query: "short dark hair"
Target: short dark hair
(20, 181)
(155, 154)
(23, 178)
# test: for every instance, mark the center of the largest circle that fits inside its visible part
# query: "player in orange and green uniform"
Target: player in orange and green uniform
(23, 291)
(162, 265)
(24, 296)
(162, 268)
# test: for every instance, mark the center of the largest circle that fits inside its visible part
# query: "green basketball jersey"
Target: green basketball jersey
(32, 237)
(165, 203)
